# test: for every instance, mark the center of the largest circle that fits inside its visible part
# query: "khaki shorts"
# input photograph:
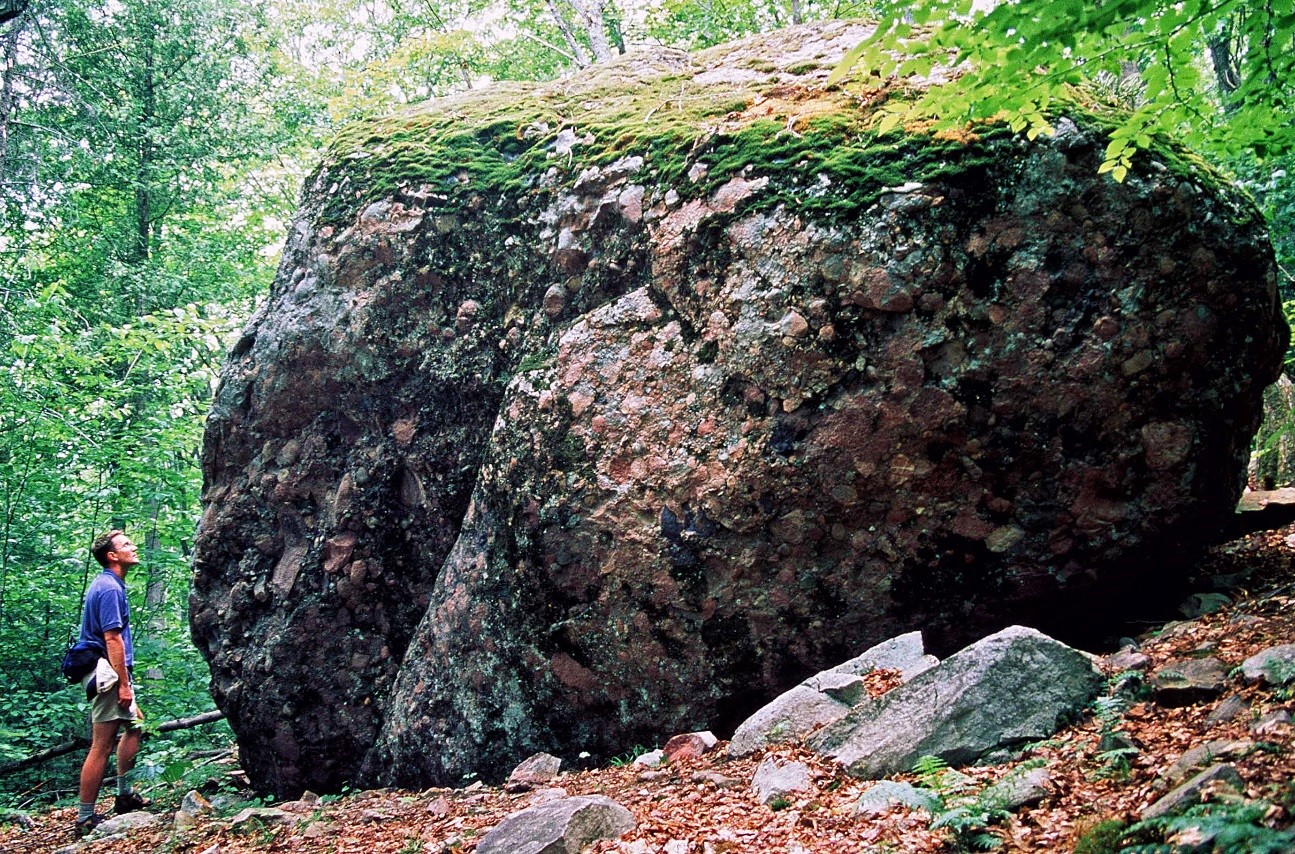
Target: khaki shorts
(104, 708)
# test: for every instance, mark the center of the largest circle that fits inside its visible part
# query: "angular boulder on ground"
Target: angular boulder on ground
(563, 826)
(774, 780)
(1189, 794)
(1274, 666)
(887, 794)
(1190, 680)
(1015, 686)
(821, 700)
(538, 770)
(582, 412)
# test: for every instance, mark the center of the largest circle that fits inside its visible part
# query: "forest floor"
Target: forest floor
(707, 801)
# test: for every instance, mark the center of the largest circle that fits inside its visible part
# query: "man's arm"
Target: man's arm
(117, 658)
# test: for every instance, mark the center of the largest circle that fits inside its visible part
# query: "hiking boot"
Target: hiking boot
(85, 827)
(130, 802)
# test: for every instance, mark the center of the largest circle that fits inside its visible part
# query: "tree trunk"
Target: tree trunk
(8, 56)
(144, 152)
(590, 14)
(577, 49)
(1223, 56)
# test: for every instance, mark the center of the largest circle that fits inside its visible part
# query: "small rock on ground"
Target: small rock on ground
(774, 780)
(1189, 793)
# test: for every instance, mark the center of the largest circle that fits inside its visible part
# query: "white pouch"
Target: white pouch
(105, 677)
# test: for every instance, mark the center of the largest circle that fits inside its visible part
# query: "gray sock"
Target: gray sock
(84, 811)
(123, 784)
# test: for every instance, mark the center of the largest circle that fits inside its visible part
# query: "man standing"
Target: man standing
(106, 621)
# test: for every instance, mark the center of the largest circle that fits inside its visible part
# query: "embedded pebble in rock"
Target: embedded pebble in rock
(537, 445)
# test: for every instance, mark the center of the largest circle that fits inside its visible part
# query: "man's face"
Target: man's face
(124, 550)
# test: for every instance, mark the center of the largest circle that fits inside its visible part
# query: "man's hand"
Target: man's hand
(117, 658)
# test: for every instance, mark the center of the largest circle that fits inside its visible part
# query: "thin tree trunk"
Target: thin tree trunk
(10, 60)
(1223, 57)
(144, 165)
(577, 49)
(596, 25)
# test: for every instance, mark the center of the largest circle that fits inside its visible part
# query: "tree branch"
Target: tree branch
(81, 742)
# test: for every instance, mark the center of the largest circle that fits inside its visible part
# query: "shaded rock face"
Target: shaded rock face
(563, 438)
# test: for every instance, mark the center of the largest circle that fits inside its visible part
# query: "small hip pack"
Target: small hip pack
(80, 658)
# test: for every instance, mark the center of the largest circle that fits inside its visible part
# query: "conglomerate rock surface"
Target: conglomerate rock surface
(585, 413)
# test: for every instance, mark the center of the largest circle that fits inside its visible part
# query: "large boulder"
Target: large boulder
(587, 412)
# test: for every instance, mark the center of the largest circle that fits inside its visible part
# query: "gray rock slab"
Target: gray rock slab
(905, 653)
(827, 697)
(651, 759)
(1272, 723)
(1274, 666)
(1227, 710)
(1019, 789)
(1202, 755)
(125, 823)
(847, 688)
(774, 779)
(263, 815)
(887, 794)
(1189, 793)
(1128, 658)
(1012, 687)
(1189, 681)
(789, 718)
(558, 827)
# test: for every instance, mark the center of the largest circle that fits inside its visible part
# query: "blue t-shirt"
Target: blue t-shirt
(106, 608)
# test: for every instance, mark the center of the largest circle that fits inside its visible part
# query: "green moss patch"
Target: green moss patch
(813, 142)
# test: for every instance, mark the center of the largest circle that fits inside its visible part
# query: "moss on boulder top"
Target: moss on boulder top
(759, 106)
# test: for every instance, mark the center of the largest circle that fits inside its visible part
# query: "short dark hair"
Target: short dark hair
(103, 544)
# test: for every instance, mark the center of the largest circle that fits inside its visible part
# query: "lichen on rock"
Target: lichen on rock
(587, 412)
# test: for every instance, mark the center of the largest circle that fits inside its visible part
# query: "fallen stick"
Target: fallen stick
(81, 742)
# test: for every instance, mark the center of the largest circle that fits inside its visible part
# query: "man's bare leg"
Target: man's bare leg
(102, 739)
(127, 748)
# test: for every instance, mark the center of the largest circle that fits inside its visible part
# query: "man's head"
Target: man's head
(114, 548)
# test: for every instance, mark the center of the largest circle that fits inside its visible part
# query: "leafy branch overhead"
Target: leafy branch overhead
(1218, 76)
